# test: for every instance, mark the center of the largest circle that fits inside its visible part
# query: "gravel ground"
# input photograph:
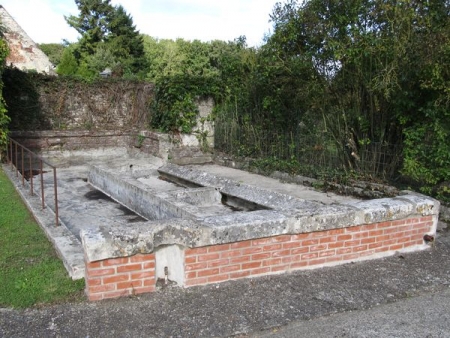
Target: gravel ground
(267, 306)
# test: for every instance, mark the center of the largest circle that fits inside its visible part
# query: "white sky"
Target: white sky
(205, 20)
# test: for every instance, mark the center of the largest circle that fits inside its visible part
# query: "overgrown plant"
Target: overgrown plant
(4, 118)
(24, 93)
(174, 108)
(140, 141)
(108, 39)
(361, 84)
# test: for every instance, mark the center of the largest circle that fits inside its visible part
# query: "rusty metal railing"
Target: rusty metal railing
(12, 155)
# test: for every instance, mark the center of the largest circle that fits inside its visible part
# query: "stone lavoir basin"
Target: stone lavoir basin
(201, 228)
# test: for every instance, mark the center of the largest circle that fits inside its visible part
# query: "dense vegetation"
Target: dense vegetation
(54, 51)
(4, 118)
(373, 73)
(108, 40)
(339, 88)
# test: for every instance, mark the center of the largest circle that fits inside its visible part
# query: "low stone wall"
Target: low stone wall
(50, 143)
(44, 141)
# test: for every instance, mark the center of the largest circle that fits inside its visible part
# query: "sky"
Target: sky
(205, 20)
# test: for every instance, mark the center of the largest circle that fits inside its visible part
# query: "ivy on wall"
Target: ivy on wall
(22, 99)
(4, 119)
(174, 108)
(41, 102)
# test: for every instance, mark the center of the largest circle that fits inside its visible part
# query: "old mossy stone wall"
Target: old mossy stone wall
(51, 113)
(38, 102)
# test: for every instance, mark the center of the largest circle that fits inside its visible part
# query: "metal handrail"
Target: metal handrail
(9, 156)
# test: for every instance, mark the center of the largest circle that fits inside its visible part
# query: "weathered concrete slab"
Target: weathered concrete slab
(190, 227)
(301, 188)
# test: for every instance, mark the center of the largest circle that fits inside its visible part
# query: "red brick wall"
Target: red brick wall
(117, 277)
(283, 253)
(126, 276)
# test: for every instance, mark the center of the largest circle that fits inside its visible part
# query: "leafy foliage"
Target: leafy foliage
(68, 64)
(363, 73)
(184, 70)
(54, 51)
(108, 40)
(4, 118)
(174, 108)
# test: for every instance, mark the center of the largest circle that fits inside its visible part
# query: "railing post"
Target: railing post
(22, 165)
(31, 174)
(10, 153)
(42, 183)
(56, 195)
(17, 169)
(7, 151)
(41, 173)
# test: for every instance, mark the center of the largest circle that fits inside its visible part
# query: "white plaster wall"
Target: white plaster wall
(205, 108)
(171, 257)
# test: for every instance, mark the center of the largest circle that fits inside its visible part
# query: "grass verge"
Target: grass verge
(31, 274)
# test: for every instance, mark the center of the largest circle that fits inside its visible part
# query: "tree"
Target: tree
(126, 43)
(107, 29)
(68, 64)
(381, 75)
(54, 51)
(92, 23)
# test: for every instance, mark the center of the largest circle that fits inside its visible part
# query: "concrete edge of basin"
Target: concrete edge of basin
(302, 217)
(288, 235)
(257, 195)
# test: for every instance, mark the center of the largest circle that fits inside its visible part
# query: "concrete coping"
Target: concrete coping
(282, 214)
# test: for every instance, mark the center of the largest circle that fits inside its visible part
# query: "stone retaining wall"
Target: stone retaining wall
(49, 143)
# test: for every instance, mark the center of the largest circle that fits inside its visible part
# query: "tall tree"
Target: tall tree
(381, 74)
(91, 23)
(125, 42)
(107, 30)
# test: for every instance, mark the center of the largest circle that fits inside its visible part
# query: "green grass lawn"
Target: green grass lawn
(31, 274)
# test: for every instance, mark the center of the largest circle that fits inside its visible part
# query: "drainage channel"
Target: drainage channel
(157, 195)
(128, 215)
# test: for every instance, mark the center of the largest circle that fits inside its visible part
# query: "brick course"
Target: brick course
(125, 276)
(285, 253)
(117, 277)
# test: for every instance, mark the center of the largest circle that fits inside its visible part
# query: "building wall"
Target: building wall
(24, 52)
